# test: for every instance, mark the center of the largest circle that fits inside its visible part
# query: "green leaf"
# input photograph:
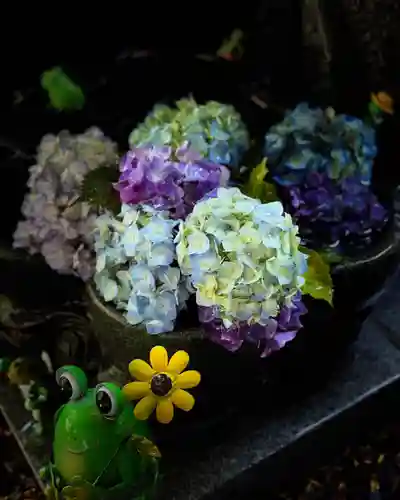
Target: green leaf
(64, 94)
(231, 44)
(97, 189)
(4, 365)
(331, 257)
(257, 187)
(318, 281)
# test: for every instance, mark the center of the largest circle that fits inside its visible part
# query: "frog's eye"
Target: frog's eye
(72, 382)
(108, 400)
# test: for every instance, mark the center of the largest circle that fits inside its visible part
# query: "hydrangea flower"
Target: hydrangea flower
(149, 175)
(271, 337)
(56, 224)
(316, 140)
(135, 267)
(244, 262)
(214, 130)
(336, 213)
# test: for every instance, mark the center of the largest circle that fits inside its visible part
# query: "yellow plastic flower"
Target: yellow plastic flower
(383, 101)
(161, 385)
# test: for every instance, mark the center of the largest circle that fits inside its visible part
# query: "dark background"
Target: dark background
(92, 44)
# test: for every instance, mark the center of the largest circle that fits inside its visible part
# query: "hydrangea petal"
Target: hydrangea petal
(110, 290)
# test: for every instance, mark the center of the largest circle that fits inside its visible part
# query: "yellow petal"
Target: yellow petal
(178, 362)
(141, 370)
(159, 358)
(136, 390)
(189, 379)
(182, 399)
(165, 411)
(145, 407)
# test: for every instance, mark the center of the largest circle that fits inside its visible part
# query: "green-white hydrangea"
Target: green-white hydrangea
(242, 256)
(214, 130)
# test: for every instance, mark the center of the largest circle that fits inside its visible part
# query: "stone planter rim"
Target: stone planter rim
(192, 333)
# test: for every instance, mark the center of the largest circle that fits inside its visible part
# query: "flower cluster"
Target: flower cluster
(57, 224)
(214, 130)
(316, 140)
(162, 385)
(244, 262)
(135, 267)
(336, 213)
(272, 336)
(149, 175)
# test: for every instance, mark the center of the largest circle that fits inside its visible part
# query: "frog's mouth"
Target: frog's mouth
(78, 451)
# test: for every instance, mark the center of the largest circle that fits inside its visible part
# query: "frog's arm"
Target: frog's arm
(144, 482)
(143, 487)
(132, 484)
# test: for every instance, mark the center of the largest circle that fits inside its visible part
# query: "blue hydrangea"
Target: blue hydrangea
(136, 267)
(214, 130)
(316, 140)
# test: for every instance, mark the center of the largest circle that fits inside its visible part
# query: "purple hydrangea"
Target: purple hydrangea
(268, 338)
(332, 212)
(168, 181)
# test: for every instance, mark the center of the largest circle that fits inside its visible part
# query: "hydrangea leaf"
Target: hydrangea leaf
(97, 189)
(64, 94)
(318, 280)
(232, 46)
(330, 256)
(257, 187)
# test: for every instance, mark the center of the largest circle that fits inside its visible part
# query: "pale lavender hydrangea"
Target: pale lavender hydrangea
(56, 224)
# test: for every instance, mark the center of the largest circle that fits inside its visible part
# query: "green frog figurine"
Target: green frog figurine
(100, 450)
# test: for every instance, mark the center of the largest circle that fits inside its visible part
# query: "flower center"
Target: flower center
(161, 384)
